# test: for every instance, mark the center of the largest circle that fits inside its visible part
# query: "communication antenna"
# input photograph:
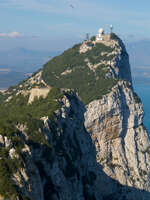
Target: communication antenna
(87, 36)
(111, 28)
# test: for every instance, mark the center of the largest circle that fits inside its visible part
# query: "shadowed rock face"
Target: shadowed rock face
(100, 151)
(122, 144)
(121, 62)
(105, 159)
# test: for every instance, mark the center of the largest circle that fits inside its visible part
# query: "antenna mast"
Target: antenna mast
(111, 28)
(87, 36)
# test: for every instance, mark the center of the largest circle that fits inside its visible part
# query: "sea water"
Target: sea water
(143, 91)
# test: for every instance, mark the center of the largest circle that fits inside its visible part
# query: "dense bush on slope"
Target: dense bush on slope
(90, 85)
(81, 78)
(18, 111)
(113, 36)
(1, 97)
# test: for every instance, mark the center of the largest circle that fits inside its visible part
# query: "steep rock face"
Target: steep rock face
(65, 150)
(106, 159)
(122, 144)
(120, 66)
(92, 73)
(69, 169)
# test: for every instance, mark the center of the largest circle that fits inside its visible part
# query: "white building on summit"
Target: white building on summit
(100, 35)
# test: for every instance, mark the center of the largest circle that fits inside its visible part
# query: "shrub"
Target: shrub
(18, 111)
(93, 38)
(113, 36)
(7, 187)
(81, 79)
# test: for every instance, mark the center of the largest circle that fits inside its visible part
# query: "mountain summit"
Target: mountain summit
(74, 131)
(91, 68)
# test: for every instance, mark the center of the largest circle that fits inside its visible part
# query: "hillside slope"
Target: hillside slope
(91, 73)
(74, 131)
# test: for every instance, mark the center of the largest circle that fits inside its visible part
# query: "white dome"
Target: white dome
(101, 31)
(111, 26)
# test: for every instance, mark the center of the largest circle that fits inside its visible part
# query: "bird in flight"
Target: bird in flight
(71, 6)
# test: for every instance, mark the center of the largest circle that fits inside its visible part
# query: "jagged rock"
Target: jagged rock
(1, 140)
(13, 154)
(100, 151)
(8, 142)
(115, 125)
(1, 197)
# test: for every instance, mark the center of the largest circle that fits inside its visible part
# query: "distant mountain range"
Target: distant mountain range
(16, 63)
(10, 78)
(24, 60)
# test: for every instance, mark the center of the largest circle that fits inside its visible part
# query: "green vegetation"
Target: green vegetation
(1, 97)
(13, 113)
(7, 168)
(113, 36)
(4, 152)
(137, 98)
(93, 38)
(95, 56)
(89, 84)
(7, 187)
(41, 85)
(18, 111)
(81, 79)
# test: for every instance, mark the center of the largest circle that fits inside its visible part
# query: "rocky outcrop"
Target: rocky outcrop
(100, 151)
(122, 145)
(37, 93)
(118, 63)
(121, 62)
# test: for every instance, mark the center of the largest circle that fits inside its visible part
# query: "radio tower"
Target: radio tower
(111, 28)
(87, 36)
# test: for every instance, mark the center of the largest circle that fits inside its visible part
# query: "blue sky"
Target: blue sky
(57, 24)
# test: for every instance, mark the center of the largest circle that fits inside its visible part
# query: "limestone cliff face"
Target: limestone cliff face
(122, 145)
(100, 151)
(120, 66)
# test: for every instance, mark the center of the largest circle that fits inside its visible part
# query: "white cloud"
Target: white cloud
(10, 35)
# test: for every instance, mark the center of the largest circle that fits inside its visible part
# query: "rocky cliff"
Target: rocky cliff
(83, 141)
